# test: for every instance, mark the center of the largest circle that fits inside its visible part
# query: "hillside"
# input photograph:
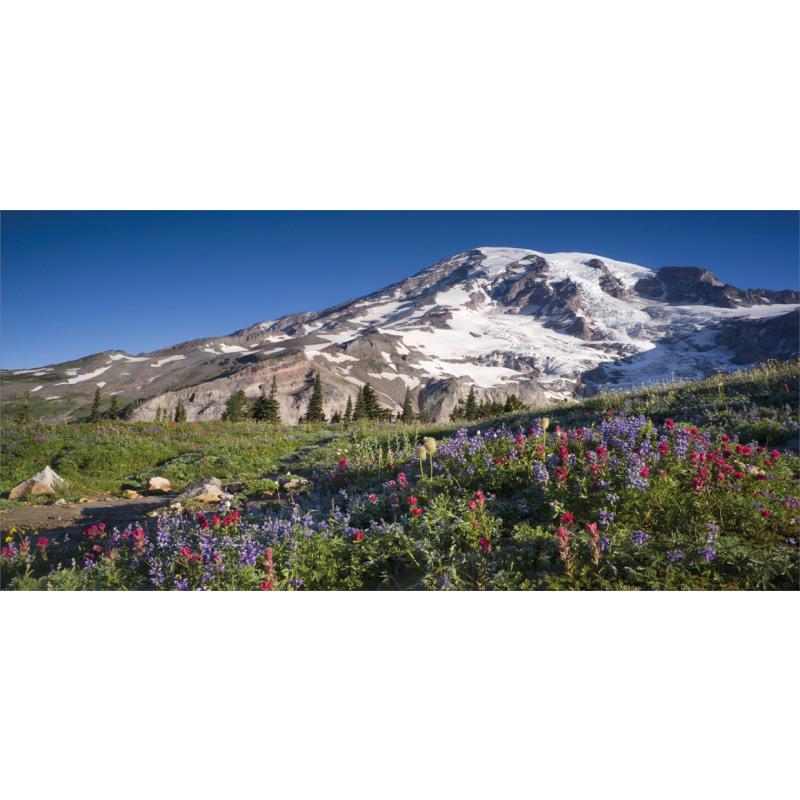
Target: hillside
(689, 485)
(502, 320)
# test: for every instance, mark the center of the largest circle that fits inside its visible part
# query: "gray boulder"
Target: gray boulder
(204, 490)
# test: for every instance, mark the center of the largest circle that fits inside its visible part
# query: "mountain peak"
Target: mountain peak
(502, 320)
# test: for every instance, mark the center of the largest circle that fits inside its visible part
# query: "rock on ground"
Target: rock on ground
(46, 481)
(204, 490)
(159, 485)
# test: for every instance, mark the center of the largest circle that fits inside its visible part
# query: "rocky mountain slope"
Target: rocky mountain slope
(506, 321)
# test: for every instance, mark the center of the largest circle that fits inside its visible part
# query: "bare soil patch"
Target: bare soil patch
(76, 517)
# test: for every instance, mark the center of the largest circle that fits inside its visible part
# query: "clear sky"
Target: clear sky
(77, 283)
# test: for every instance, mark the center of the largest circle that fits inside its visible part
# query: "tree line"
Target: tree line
(366, 406)
(267, 408)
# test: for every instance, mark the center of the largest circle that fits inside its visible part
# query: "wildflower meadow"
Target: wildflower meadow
(682, 486)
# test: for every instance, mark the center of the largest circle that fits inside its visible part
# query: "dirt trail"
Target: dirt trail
(59, 520)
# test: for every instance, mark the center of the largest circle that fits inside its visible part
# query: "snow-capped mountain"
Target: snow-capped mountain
(504, 320)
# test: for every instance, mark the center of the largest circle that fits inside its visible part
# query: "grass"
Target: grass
(678, 486)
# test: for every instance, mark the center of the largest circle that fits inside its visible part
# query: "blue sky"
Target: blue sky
(76, 283)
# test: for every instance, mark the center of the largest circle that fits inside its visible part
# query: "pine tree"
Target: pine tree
(360, 411)
(348, 412)
(336, 418)
(113, 411)
(24, 411)
(408, 410)
(372, 409)
(158, 414)
(94, 415)
(471, 409)
(272, 408)
(458, 413)
(259, 409)
(423, 411)
(180, 412)
(315, 411)
(513, 403)
(236, 408)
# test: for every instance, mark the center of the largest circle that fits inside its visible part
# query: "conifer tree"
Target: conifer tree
(236, 408)
(336, 418)
(158, 414)
(348, 412)
(113, 411)
(471, 409)
(371, 408)
(180, 411)
(315, 412)
(408, 410)
(24, 411)
(458, 411)
(513, 403)
(272, 408)
(94, 414)
(423, 411)
(259, 409)
(360, 411)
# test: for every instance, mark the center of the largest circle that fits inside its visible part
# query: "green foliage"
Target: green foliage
(408, 410)
(360, 411)
(348, 412)
(423, 410)
(487, 520)
(24, 410)
(237, 407)
(180, 412)
(94, 414)
(113, 411)
(471, 408)
(315, 412)
(512, 404)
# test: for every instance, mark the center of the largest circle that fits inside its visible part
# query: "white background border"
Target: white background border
(434, 105)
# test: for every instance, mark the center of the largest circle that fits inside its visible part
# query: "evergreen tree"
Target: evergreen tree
(158, 414)
(458, 412)
(408, 411)
(237, 407)
(471, 409)
(336, 418)
(423, 411)
(259, 409)
(348, 412)
(272, 408)
(24, 411)
(315, 411)
(113, 411)
(180, 411)
(360, 411)
(372, 409)
(513, 403)
(94, 415)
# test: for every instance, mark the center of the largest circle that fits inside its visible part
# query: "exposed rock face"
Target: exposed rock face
(695, 285)
(650, 287)
(502, 320)
(46, 481)
(759, 339)
(608, 283)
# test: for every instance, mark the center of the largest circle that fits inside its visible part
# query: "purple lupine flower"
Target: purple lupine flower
(639, 538)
